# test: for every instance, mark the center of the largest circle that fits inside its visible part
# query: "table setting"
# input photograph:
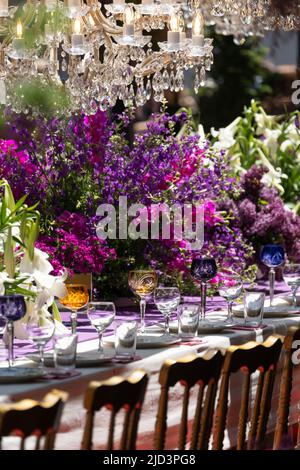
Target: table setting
(122, 332)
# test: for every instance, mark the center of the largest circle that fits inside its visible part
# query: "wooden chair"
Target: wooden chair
(248, 358)
(114, 394)
(32, 418)
(189, 371)
(286, 382)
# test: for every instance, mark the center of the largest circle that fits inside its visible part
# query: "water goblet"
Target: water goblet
(40, 328)
(101, 315)
(203, 270)
(272, 256)
(167, 300)
(142, 283)
(291, 276)
(77, 298)
(12, 308)
(231, 287)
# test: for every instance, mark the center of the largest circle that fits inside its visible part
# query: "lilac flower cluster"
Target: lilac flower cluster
(261, 215)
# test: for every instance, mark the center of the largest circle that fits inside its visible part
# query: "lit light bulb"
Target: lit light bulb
(198, 24)
(173, 33)
(182, 33)
(18, 41)
(77, 26)
(19, 29)
(77, 36)
(198, 29)
(128, 15)
(128, 19)
(174, 23)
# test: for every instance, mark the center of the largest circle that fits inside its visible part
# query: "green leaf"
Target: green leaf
(56, 313)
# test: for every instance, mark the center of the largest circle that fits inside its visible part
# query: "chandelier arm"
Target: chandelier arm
(107, 25)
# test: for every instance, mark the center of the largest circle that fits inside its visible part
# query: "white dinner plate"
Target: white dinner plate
(149, 341)
(277, 311)
(11, 375)
(85, 359)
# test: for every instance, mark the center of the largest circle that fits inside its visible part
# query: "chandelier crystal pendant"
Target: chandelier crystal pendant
(101, 53)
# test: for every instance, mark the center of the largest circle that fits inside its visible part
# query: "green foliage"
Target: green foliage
(272, 141)
(238, 75)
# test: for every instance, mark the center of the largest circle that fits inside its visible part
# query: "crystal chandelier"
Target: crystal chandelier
(99, 53)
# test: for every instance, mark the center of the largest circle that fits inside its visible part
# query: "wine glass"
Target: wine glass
(272, 256)
(231, 287)
(77, 297)
(12, 308)
(40, 330)
(167, 300)
(291, 276)
(203, 270)
(101, 315)
(142, 283)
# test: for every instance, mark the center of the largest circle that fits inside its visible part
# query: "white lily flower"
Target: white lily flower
(48, 286)
(263, 121)
(225, 135)
(3, 278)
(271, 140)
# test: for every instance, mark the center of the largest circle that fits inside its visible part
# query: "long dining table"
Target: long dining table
(151, 360)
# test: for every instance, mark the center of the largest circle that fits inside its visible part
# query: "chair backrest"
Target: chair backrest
(189, 371)
(32, 418)
(114, 394)
(248, 358)
(286, 382)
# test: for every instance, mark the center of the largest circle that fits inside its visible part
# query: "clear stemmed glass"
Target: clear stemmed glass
(101, 315)
(77, 298)
(40, 330)
(142, 283)
(203, 270)
(167, 300)
(291, 276)
(12, 308)
(272, 256)
(231, 288)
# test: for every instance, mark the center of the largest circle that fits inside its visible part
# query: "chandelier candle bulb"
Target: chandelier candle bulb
(49, 33)
(197, 30)
(74, 3)
(50, 4)
(77, 36)
(173, 34)
(3, 8)
(18, 41)
(128, 19)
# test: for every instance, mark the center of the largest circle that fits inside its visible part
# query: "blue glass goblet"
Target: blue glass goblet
(12, 308)
(272, 256)
(203, 270)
